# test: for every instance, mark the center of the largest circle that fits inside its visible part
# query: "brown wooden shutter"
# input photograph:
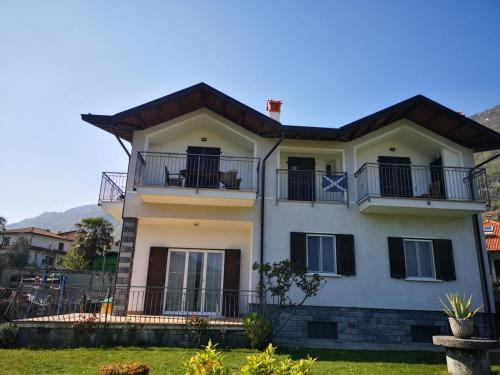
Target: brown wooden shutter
(157, 269)
(298, 248)
(397, 258)
(346, 264)
(231, 286)
(443, 260)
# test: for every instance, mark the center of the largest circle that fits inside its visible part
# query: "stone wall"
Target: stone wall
(57, 335)
(360, 325)
(125, 263)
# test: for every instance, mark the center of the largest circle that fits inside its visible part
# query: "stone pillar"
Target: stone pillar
(125, 263)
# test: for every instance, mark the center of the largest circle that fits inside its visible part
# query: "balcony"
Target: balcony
(196, 179)
(421, 190)
(112, 193)
(311, 186)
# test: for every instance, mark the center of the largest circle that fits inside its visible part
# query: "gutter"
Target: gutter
(262, 206)
(480, 257)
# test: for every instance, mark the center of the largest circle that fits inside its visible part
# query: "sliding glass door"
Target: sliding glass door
(194, 281)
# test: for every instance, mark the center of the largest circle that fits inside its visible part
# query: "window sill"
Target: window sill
(423, 279)
(323, 274)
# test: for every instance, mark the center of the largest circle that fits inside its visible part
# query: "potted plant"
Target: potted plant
(460, 315)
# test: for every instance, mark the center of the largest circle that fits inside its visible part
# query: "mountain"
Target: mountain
(65, 221)
(491, 119)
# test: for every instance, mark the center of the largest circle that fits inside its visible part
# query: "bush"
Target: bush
(258, 330)
(207, 362)
(8, 334)
(197, 325)
(266, 363)
(124, 369)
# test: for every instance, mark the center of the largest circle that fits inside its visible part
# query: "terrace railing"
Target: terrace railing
(196, 171)
(112, 187)
(145, 304)
(311, 186)
(421, 182)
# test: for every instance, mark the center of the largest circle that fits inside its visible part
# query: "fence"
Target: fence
(145, 304)
(112, 186)
(426, 182)
(196, 171)
(320, 186)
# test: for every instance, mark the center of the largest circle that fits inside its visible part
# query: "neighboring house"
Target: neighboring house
(45, 247)
(491, 230)
(385, 208)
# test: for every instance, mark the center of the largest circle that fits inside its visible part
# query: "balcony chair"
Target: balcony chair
(172, 179)
(230, 181)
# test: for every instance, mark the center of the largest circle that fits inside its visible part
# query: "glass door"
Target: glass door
(194, 281)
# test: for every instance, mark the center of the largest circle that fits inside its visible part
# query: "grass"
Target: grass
(170, 360)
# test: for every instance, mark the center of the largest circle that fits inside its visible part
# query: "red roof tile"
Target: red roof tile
(493, 237)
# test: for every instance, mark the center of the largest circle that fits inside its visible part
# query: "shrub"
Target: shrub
(8, 334)
(258, 330)
(266, 363)
(124, 369)
(197, 325)
(207, 362)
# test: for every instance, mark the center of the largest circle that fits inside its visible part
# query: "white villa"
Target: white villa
(385, 208)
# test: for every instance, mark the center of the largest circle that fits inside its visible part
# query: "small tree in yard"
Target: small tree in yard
(3, 223)
(278, 279)
(94, 237)
(18, 255)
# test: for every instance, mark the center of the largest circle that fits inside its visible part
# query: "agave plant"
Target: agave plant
(459, 307)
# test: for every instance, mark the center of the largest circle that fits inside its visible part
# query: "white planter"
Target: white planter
(461, 328)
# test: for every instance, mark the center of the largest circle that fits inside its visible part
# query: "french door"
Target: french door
(194, 281)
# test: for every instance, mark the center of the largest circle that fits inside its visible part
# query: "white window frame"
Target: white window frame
(321, 254)
(433, 266)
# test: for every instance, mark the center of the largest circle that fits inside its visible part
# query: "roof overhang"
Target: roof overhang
(418, 109)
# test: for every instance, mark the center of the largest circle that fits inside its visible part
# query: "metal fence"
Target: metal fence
(29, 303)
(313, 186)
(112, 186)
(425, 182)
(196, 171)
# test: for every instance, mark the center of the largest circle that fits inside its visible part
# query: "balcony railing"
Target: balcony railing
(311, 186)
(421, 182)
(196, 171)
(112, 187)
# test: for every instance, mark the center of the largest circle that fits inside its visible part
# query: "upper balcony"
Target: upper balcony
(200, 177)
(421, 190)
(112, 193)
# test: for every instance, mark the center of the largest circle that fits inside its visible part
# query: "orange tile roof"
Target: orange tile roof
(39, 231)
(492, 238)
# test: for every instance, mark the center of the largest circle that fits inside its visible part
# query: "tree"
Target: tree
(18, 255)
(94, 237)
(3, 223)
(278, 279)
(74, 260)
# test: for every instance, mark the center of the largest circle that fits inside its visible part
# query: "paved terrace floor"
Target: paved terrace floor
(129, 319)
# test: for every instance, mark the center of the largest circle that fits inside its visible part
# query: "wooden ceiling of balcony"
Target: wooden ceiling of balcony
(419, 109)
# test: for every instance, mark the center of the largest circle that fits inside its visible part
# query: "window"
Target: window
(321, 254)
(423, 334)
(322, 330)
(6, 241)
(61, 246)
(419, 259)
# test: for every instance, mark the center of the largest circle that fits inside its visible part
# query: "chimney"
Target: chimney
(274, 109)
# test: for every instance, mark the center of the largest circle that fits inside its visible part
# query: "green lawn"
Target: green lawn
(170, 360)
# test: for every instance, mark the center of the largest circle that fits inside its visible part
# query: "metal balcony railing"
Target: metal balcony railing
(112, 187)
(311, 186)
(421, 182)
(196, 171)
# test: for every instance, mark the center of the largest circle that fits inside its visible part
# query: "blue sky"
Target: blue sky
(331, 62)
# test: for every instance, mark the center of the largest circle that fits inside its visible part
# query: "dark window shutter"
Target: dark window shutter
(346, 264)
(397, 258)
(155, 284)
(443, 260)
(230, 294)
(298, 248)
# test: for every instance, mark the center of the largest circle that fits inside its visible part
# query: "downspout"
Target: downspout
(480, 257)
(262, 206)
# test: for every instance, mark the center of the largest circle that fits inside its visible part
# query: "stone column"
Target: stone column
(125, 263)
